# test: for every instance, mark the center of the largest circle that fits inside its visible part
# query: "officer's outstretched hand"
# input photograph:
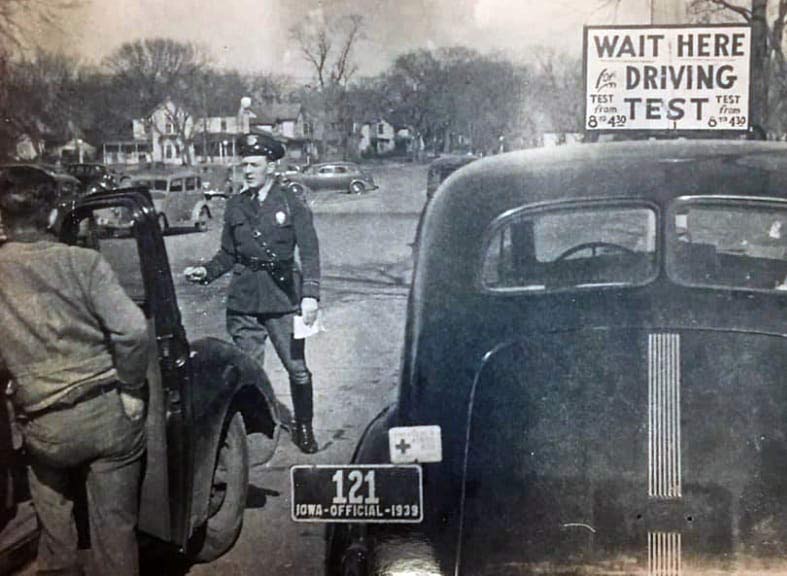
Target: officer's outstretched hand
(196, 273)
(309, 307)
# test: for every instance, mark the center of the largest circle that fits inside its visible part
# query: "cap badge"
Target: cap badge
(281, 218)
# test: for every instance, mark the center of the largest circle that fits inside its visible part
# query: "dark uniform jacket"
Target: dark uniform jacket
(262, 234)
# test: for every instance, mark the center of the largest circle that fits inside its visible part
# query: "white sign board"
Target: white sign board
(667, 78)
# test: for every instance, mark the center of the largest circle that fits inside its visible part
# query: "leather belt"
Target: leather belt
(72, 398)
(259, 264)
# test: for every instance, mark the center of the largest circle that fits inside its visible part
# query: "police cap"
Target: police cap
(260, 145)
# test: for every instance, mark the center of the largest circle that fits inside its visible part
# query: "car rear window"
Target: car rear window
(582, 246)
(728, 244)
(160, 185)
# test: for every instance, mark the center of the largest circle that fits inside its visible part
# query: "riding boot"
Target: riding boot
(302, 404)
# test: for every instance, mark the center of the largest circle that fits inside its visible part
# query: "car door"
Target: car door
(140, 263)
(175, 201)
(325, 178)
(342, 177)
(192, 194)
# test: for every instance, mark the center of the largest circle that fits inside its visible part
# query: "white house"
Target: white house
(378, 136)
(170, 135)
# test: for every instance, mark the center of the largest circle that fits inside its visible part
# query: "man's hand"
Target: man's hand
(133, 405)
(196, 273)
(309, 307)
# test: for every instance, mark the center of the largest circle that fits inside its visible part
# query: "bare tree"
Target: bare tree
(327, 45)
(165, 75)
(39, 100)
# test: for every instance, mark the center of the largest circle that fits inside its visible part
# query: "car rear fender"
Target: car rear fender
(225, 380)
(198, 208)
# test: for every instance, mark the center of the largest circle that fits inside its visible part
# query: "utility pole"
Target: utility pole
(760, 66)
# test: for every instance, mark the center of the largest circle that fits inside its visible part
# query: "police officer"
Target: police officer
(262, 227)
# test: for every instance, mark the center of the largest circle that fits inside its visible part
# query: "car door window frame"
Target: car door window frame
(509, 216)
(671, 235)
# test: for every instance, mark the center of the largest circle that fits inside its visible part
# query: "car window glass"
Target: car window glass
(160, 185)
(176, 185)
(578, 247)
(190, 183)
(110, 231)
(326, 170)
(341, 169)
(728, 244)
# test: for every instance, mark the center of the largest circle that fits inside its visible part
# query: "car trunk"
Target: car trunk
(628, 452)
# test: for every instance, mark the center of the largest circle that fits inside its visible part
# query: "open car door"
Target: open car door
(122, 226)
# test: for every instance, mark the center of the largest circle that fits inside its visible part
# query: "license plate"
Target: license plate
(362, 493)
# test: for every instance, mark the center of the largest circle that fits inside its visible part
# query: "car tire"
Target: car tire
(163, 225)
(357, 187)
(203, 220)
(229, 489)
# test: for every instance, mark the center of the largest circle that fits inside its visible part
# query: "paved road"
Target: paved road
(366, 261)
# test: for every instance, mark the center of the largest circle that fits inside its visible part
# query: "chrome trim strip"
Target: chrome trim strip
(664, 455)
(664, 554)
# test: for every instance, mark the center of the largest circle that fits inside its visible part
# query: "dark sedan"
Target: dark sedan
(593, 379)
(346, 176)
(441, 168)
(93, 176)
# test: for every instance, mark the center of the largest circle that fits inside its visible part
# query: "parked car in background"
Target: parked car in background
(178, 197)
(346, 176)
(67, 186)
(233, 183)
(93, 176)
(596, 340)
(442, 167)
(205, 396)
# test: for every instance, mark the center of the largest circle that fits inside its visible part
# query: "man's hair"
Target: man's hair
(26, 201)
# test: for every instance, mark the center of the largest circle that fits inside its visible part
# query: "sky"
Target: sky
(252, 35)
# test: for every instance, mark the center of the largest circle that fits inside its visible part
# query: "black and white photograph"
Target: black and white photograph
(393, 288)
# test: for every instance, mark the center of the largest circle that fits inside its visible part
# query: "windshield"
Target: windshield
(590, 245)
(729, 244)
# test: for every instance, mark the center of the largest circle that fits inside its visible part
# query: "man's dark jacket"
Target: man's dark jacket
(280, 223)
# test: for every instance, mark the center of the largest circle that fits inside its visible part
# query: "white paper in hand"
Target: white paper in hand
(301, 330)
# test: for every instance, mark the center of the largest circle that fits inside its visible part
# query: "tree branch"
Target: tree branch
(740, 10)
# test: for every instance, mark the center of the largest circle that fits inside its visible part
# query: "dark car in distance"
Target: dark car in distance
(442, 167)
(93, 175)
(598, 331)
(205, 396)
(345, 176)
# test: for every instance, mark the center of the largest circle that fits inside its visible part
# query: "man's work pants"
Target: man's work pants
(97, 439)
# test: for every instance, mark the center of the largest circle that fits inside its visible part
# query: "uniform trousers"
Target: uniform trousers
(95, 439)
(251, 331)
